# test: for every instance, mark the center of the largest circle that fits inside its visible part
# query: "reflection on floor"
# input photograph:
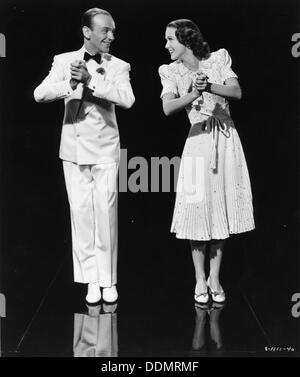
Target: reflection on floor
(96, 332)
(155, 314)
(200, 345)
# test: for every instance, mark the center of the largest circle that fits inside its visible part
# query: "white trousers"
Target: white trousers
(93, 199)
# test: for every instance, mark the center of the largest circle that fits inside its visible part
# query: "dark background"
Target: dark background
(35, 229)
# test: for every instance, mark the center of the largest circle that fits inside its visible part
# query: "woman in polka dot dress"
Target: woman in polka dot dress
(213, 198)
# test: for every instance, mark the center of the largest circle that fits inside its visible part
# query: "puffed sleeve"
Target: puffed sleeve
(168, 80)
(226, 62)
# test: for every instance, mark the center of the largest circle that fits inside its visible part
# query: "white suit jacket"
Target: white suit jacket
(90, 132)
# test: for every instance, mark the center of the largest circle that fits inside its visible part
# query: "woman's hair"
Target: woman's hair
(188, 34)
(87, 17)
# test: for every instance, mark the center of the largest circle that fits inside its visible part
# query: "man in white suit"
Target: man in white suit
(91, 82)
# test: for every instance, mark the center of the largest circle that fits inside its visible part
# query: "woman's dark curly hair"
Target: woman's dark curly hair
(188, 34)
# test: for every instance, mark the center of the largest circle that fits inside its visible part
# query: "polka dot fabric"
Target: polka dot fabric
(213, 198)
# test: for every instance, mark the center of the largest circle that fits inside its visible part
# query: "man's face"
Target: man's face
(100, 35)
(175, 48)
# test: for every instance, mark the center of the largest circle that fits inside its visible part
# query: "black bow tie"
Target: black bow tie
(96, 57)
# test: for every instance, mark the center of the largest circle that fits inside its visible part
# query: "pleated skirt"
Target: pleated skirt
(213, 195)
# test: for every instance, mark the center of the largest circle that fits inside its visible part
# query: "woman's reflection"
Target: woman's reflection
(95, 333)
(199, 345)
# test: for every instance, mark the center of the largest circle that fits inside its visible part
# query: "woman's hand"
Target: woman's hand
(201, 82)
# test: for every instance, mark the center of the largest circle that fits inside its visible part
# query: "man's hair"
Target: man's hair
(87, 17)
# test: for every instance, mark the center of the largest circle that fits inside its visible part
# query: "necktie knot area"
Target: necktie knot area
(96, 57)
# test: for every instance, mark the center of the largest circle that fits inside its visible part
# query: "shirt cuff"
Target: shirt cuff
(94, 82)
(65, 89)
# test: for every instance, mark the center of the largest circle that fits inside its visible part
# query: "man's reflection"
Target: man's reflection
(204, 314)
(95, 333)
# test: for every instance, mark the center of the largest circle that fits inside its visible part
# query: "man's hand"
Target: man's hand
(79, 72)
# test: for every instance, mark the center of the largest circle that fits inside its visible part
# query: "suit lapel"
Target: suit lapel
(79, 92)
(84, 107)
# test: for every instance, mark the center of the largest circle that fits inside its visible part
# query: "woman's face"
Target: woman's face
(176, 49)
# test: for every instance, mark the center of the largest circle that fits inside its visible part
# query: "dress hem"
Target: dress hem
(185, 237)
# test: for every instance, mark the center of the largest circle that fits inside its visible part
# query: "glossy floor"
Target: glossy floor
(155, 315)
